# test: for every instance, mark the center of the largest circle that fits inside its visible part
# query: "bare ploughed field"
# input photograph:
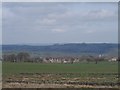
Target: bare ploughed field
(61, 80)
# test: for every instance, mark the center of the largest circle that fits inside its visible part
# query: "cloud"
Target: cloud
(70, 19)
(46, 21)
(59, 30)
(101, 14)
(8, 14)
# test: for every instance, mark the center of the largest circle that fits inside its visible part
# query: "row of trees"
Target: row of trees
(96, 59)
(22, 56)
(26, 57)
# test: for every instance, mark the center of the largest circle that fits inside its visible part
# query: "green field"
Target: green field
(73, 75)
(101, 67)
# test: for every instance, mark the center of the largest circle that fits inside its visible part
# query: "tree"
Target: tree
(4, 57)
(89, 58)
(72, 60)
(10, 57)
(23, 56)
(38, 59)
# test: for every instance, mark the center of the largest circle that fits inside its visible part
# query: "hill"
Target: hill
(70, 48)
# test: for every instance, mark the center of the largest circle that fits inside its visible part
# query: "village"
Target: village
(26, 57)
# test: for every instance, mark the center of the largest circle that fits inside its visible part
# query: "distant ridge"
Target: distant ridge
(69, 48)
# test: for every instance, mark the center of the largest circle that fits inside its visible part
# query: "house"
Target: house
(114, 59)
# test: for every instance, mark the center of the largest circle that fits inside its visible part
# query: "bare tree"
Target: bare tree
(23, 56)
(10, 57)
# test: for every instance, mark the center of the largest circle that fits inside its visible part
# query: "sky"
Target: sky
(60, 22)
(60, 0)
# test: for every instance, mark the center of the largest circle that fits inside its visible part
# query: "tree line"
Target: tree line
(20, 57)
(26, 57)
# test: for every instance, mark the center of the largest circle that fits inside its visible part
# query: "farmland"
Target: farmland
(103, 74)
(102, 67)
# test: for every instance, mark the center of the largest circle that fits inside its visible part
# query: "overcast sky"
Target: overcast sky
(51, 22)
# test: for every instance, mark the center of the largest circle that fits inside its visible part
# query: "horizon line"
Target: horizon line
(60, 43)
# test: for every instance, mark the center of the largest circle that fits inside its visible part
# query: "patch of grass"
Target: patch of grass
(101, 67)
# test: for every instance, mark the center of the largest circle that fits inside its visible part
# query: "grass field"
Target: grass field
(101, 67)
(73, 75)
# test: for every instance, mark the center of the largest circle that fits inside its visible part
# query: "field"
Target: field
(103, 74)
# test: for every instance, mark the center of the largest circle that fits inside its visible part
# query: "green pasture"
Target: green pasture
(22, 67)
